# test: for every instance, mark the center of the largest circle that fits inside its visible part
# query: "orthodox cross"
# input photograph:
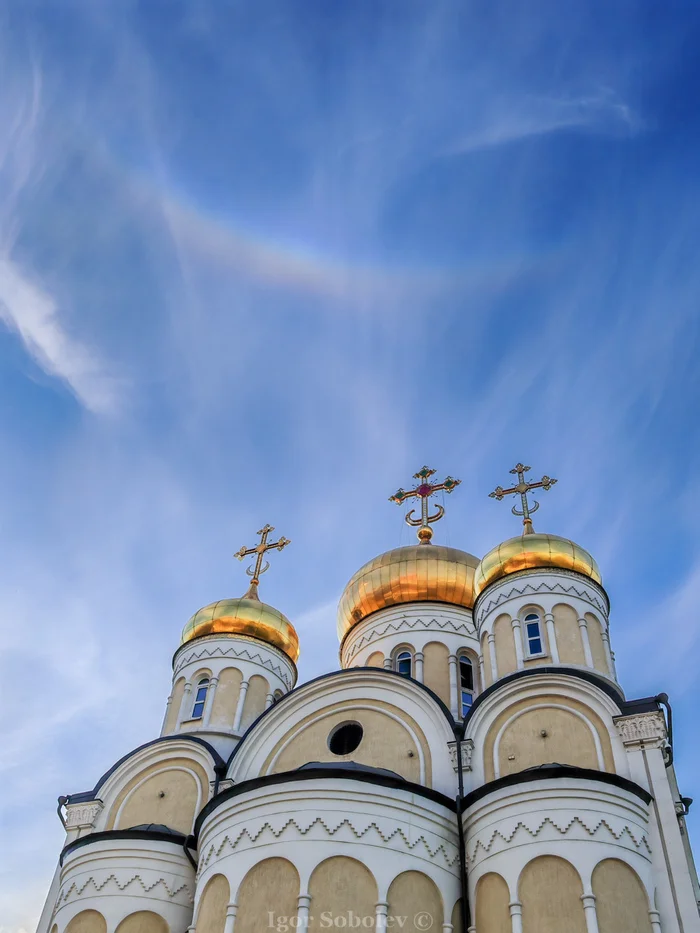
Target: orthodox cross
(424, 491)
(259, 550)
(522, 488)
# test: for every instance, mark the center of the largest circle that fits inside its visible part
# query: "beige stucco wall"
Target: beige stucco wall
(258, 689)
(87, 921)
(621, 901)
(595, 637)
(143, 921)
(568, 632)
(550, 891)
(340, 885)
(457, 916)
(505, 645)
(145, 805)
(568, 741)
(410, 894)
(375, 660)
(386, 742)
(226, 697)
(270, 886)
(211, 912)
(436, 670)
(174, 708)
(492, 914)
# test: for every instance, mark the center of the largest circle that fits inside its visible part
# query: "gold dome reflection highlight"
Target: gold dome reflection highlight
(532, 551)
(244, 617)
(418, 573)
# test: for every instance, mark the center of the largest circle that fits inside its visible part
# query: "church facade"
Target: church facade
(474, 766)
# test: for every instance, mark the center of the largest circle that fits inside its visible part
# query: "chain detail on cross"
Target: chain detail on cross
(522, 488)
(423, 491)
(259, 550)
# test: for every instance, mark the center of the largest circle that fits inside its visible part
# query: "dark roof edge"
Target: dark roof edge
(174, 837)
(87, 795)
(546, 772)
(315, 774)
(342, 672)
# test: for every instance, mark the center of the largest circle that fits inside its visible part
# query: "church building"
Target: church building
(474, 766)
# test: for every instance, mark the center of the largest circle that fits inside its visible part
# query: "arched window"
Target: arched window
(200, 698)
(403, 663)
(533, 634)
(466, 683)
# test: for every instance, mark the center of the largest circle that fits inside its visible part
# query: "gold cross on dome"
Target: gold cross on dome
(522, 488)
(259, 550)
(424, 491)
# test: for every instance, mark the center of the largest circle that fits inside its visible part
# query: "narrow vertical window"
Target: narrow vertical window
(466, 684)
(200, 698)
(404, 663)
(533, 634)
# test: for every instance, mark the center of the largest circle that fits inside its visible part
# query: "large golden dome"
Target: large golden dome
(530, 551)
(244, 616)
(418, 573)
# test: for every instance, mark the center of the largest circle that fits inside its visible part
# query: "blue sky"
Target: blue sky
(261, 262)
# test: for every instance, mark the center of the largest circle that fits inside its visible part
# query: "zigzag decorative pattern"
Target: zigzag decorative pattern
(147, 888)
(205, 652)
(402, 625)
(215, 851)
(548, 821)
(542, 587)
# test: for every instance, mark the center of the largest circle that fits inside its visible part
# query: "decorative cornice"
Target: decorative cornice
(467, 748)
(78, 890)
(403, 625)
(204, 652)
(508, 837)
(647, 729)
(82, 815)
(448, 852)
(494, 597)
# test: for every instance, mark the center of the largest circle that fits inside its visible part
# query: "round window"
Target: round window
(345, 738)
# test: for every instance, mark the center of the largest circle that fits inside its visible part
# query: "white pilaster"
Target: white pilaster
(492, 652)
(518, 639)
(454, 692)
(303, 904)
(419, 657)
(583, 628)
(655, 919)
(184, 705)
(230, 921)
(387, 664)
(211, 692)
(482, 672)
(167, 710)
(380, 916)
(608, 654)
(516, 916)
(239, 708)
(269, 700)
(590, 913)
(551, 637)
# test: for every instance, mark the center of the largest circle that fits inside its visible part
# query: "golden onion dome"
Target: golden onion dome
(530, 552)
(244, 616)
(417, 573)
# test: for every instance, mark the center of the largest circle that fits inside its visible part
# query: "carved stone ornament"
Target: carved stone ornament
(643, 728)
(80, 815)
(224, 784)
(467, 752)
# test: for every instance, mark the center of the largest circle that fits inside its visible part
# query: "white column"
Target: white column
(418, 657)
(454, 692)
(518, 639)
(269, 700)
(239, 707)
(303, 904)
(551, 637)
(167, 710)
(482, 672)
(184, 705)
(608, 653)
(380, 916)
(447, 928)
(230, 918)
(492, 652)
(583, 628)
(590, 913)
(211, 692)
(387, 664)
(655, 918)
(516, 916)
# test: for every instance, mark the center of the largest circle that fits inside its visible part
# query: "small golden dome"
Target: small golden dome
(244, 617)
(530, 551)
(418, 573)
